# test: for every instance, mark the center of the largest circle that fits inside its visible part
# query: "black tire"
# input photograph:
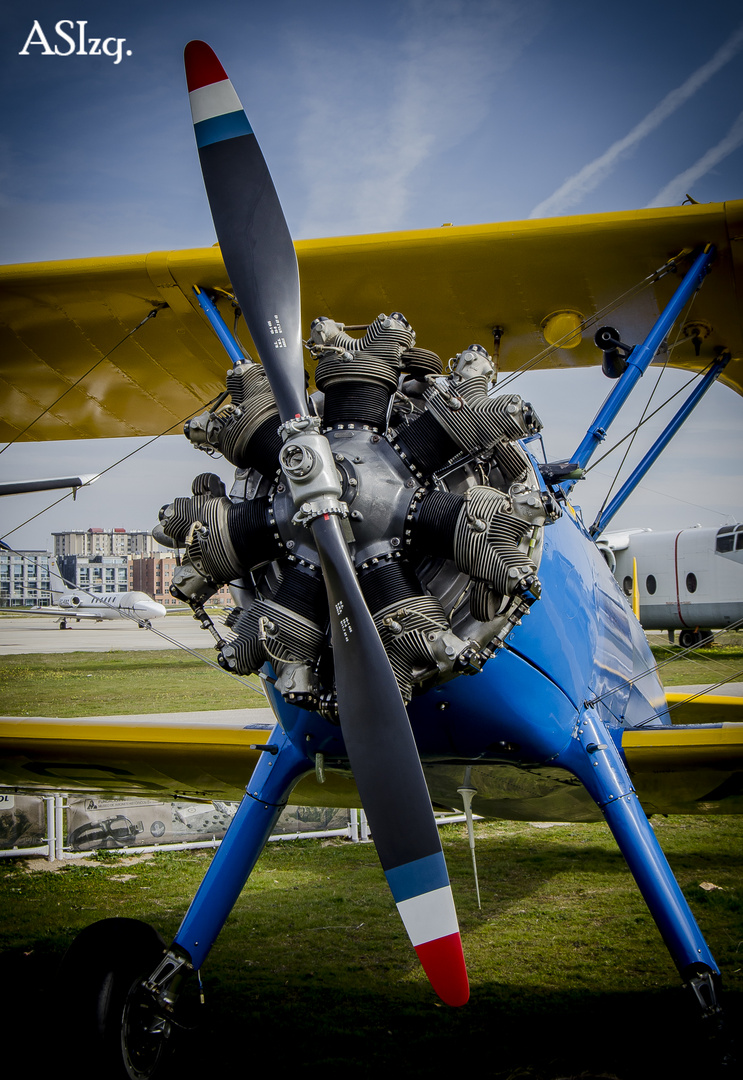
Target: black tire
(108, 1011)
(689, 639)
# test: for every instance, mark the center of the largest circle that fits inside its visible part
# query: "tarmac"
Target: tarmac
(39, 634)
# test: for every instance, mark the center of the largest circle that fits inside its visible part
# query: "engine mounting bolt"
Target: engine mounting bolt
(410, 483)
(395, 541)
(290, 544)
(340, 457)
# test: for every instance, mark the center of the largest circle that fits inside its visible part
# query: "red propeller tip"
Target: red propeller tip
(443, 962)
(202, 65)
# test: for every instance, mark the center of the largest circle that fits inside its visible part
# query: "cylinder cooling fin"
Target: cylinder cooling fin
(441, 504)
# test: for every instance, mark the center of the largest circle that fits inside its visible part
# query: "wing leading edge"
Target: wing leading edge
(676, 770)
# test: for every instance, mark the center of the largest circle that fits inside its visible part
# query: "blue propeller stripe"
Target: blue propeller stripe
(219, 128)
(420, 876)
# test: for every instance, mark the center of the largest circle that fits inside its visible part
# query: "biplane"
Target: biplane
(430, 614)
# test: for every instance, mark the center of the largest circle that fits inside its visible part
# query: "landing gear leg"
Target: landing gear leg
(123, 984)
(593, 756)
(265, 798)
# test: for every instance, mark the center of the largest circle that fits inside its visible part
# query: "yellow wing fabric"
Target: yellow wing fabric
(59, 321)
(191, 761)
(675, 770)
(687, 770)
(152, 759)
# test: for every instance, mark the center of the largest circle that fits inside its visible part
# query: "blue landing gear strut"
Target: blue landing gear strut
(270, 785)
(593, 757)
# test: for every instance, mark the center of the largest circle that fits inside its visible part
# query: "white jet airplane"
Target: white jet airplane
(78, 604)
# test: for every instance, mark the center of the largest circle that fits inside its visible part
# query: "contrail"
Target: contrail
(591, 175)
(675, 190)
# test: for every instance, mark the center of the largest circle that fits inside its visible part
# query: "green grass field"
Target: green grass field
(99, 684)
(569, 975)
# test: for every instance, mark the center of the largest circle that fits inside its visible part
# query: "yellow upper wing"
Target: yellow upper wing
(59, 321)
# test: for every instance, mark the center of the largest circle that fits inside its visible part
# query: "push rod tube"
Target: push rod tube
(659, 445)
(219, 326)
(640, 358)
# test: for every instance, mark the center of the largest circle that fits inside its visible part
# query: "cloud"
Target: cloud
(414, 90)
(676, 189)
(579, 185)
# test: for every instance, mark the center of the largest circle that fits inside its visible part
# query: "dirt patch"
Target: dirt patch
(33, 865)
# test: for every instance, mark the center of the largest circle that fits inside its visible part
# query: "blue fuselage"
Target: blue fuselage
(580, 642)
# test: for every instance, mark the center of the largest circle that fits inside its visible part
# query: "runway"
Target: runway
(38, 634)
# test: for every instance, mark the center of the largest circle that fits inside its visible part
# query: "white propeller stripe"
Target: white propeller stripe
(429, 916)
(212, 100)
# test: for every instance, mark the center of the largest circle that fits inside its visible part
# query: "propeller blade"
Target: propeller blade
(250, 225)
(388, 773)
(262, 266)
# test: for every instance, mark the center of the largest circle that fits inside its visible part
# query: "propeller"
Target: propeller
(261, 263)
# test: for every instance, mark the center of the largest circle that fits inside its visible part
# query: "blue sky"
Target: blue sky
(373, 115)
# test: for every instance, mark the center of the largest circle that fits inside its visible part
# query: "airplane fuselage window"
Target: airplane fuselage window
(650, 584)
(691, 582)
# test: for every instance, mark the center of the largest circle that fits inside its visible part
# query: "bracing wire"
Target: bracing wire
(150, 315)
(647, 419)
(177, 425)
(661, 664)
(635, 430)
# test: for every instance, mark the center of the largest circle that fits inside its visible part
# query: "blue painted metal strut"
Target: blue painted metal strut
(220, 327)
(594, 758)
(265, 797)
(640, 359)
(659, 445)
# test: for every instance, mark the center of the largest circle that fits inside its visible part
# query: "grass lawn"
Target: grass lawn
(719, 661)
(569, 975)
(99, 684)
(114, 683)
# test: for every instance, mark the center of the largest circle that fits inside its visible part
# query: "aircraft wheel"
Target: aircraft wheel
(109, 1010)
(692, 639)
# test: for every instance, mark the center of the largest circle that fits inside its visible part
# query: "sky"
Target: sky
(373, 115)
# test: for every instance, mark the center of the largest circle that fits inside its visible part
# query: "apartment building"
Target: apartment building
(152, 574)
(104, 542)
(24, 579)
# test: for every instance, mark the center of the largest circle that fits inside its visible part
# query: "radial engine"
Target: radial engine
(441, 505)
